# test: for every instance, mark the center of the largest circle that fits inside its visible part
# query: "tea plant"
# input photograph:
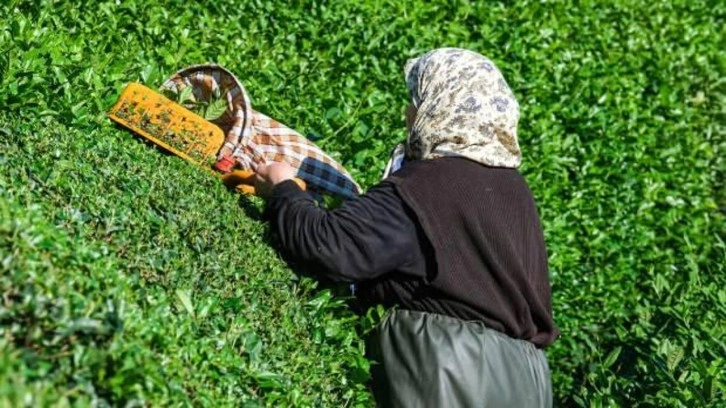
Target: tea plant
(132, 278)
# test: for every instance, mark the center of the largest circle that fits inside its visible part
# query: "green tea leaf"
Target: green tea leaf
(674, 358)
(185, 95)
(186, 301)
(215, 109)
(612, 357)
(709, 391)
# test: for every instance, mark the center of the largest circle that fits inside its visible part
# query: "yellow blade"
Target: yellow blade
(168, 125)
(178, 130)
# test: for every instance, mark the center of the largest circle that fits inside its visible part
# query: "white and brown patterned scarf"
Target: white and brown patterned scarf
(465, 108)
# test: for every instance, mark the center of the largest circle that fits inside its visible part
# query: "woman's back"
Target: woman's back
(489, 258)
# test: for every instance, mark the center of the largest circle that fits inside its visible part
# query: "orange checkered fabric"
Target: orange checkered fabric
(253, 138)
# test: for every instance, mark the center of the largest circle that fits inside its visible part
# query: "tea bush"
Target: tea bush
(131, 278)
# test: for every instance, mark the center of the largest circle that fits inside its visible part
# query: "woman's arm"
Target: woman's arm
(363, 239)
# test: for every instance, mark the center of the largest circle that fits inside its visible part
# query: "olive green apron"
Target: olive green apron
(431, 360)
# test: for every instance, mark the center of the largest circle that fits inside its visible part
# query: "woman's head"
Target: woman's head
(463, 107)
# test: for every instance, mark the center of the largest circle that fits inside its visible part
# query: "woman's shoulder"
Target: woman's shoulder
(451, 167)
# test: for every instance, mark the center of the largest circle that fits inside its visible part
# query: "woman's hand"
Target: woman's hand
(269, 175)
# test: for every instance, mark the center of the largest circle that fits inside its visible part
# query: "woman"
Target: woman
(452, 239)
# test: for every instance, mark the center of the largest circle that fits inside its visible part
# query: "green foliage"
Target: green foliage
(129, 277)
(210, 110)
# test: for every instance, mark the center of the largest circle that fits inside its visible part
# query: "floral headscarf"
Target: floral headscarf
(465, 108)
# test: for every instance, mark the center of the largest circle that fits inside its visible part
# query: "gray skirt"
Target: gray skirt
(430, 360)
